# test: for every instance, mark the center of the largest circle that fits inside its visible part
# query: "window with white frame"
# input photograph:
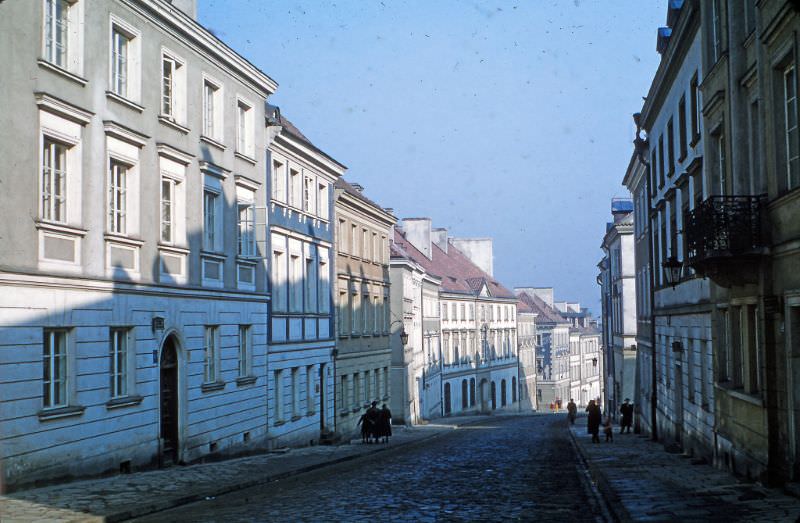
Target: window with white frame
(173, 87)
(54, 368)
(342, 236)
(716, 30)
(54, 181)
(211, 204)
(310, 389)
(212, 109)
(125, 60)
(295, 392)
(295, 283)
(57, 31)
(279, 181)
(309, 195)
(244, 351)
(355, 308)
(322, 201)
(211, 354)
(279, 280)
(244, 128)
(117, 196)
(344, 312)
(167, 209)
(246, 229)
(118, 368)
(311, 283)
(791, 131)
(295, 189)
(278, 409)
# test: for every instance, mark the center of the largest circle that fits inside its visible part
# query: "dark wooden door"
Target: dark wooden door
(494, 396)
(169, 403)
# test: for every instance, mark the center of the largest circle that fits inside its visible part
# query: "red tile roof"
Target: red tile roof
(547, 314)
(457, 272)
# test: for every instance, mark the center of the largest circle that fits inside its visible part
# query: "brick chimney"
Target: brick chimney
(418, 234)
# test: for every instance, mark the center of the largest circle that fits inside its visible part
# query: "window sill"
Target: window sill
(175, 249)
(297, 418)
(60, 228)
(344, 413)
(311, 413)
(60, 412)
(213, 255)
(246, 158)
(44, 64)
(244, 381)
(111, 95)
(212, 386)
(120, 238)
(211, 141)
(169, 121)
(123, 401)
(279, 423)
(739, 394)
(247, 260)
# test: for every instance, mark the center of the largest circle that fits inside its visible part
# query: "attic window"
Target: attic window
(452, 278)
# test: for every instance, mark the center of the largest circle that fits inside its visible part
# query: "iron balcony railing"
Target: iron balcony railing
(724, 227)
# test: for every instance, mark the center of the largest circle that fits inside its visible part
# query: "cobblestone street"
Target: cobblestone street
(503, 469)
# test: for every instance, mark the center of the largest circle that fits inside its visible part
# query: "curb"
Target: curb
(610, 498)
(193, 498)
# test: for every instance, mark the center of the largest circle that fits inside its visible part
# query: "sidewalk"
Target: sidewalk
(117, 498)
(642, 482)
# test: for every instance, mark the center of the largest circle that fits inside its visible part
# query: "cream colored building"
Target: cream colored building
(363, 355)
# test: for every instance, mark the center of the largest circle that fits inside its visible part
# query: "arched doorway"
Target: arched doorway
(494, 395)
(472, 392)
(513, 390)
(503, 395)
(464, 395)
(447, 406)
(484, 395)
(168, 394)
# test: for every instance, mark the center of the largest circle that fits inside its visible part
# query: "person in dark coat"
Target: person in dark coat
(626, 409)
(593, 421)
(385, 423)
(572, 411)
(362, 421)
(372, 419)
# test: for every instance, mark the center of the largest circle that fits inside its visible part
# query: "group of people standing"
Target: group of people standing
(376, 424)
(595, 419)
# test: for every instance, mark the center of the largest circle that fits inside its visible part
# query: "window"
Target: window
(295, 283)
(791, 133)
(661, 161)
(210, 355)
(670, 148)
(654, 170)
(716, 30)
(118, 351)
(167, 209)
(750, 348)
(344, 312)
(309, 195)
(342, 236)
(54, 367)
(244, 350)
(212, 109)
(211, 201)
(117, 200)
(124, 70)
(324, 281)
(54, 181)
(697, 117)
(246, 229)
(322, 201)
(279, 280)
(295, 392)
(173, 87)
(244, 128)
(725, 353)
(754, 142)
(278, 410)
(365, 244)
(354, 240)
(721, 174)
(311, 285)
(673, 234)
(294, 188)
(682, 130)
(57, 32)
(366, 309)
(355, 315)
(356, 389)
(278, 181)
(309, 389)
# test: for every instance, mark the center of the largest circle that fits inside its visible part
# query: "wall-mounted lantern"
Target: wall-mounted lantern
(672, 271)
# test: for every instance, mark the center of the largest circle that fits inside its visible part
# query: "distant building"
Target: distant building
(363, 355)
(526, 353)
(552, 347)
(619, 306)
(585, 358)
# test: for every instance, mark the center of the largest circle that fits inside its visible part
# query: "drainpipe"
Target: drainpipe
(640, 144)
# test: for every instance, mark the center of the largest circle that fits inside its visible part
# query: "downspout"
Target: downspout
(639, 145)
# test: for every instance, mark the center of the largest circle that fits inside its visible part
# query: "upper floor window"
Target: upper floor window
(211, 355)
(670, 148)
(124, 60)
(791, 132)
(295, 190)
(54, 181)
(278, 181)
(167, 209)
(246, 229)
(173, 87)
(716, 29)
(322, 201)
(682, 129)
(212, 109)
(211, 204)
(309, 195)
(697, 117)
(244, 128)
(56, 31)
(117, 197)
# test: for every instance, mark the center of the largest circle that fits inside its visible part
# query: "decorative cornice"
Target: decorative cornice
(172, 153)
(64, 109)
(125, 134)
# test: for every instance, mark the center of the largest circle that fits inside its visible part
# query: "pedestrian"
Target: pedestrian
(572, 411)
(362, 421)
(385, 423)
(626, 409)
(608, 430)
(372, 417)
(593, 421)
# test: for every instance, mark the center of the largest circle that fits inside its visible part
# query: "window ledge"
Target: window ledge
(44, 64)
(246, 158)
(119, 238)
(244, 381)
(741, 395)
(111, 95)
(311, 413)
(173, 248)
(123, 401)
(170, 122)
(247, 260)
(344, 413)
(279, 423)
(212, 386)
(213, 255)
(296, 418)
(61, 228)
(61, 412)
(211, 141)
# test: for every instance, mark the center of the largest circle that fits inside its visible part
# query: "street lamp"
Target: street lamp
(403, 333)
(672, 270)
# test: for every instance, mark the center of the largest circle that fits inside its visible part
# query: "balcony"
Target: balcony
(725, 239)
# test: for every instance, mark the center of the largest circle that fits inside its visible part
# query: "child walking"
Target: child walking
(608, 430)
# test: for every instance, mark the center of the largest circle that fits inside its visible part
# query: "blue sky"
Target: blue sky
(503, 119)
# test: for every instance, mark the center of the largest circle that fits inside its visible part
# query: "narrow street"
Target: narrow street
(504, 468)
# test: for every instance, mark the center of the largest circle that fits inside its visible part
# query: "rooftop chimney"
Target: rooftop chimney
(479, 252)
(439, 237)
(418, 234)
(187, 6)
